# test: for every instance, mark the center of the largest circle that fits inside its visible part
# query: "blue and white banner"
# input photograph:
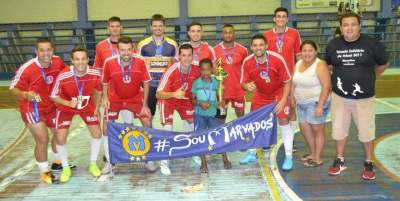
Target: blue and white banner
(135, 144)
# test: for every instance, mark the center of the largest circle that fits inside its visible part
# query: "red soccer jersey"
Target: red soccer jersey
(104, 50)
(290, 46)
(232, 59)
(202, 52)
(278, 75)
(31, 77)
(66, 88)
(128, 90)
(173, 79)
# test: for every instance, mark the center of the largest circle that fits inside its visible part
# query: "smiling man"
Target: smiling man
(31, 85)
(159, 51)
(174, 94)
(265, 73)
(77, 91)
(356, 59)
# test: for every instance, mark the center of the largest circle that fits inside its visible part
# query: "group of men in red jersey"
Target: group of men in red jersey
(131, 82)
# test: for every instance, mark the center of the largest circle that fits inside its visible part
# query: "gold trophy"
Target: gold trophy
(220, 75)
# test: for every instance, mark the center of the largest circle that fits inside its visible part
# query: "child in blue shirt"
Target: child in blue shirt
(204, 90)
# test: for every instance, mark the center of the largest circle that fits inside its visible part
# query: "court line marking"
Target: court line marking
(32, 163)
(267, 174)
(379, 164)
(274, 152)
(17, 140)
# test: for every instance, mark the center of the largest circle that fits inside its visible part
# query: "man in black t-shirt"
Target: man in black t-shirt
(356, 59)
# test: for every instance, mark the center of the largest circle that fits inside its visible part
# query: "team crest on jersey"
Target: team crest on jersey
(136, 143)
(49, 79)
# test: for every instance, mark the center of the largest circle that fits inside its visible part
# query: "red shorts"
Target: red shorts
(46, 116)
(237, 103)
(64, 119)
(185, 111)
(116, 107)
(284, 114)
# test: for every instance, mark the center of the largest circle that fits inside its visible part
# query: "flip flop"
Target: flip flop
(305, 157)
(312, 163)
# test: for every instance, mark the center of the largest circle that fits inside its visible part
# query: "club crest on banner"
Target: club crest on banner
(136, 143)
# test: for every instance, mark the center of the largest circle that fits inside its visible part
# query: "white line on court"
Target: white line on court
(274, 152)
(32, 163)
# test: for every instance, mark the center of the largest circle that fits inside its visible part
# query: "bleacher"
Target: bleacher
(17, 40)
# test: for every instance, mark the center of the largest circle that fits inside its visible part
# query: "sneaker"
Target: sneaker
(65, 174)
(294, 149)
(337, 167)
(249, 158)
(94, 169)
(165, 170)
(151, 166)
(196, 160)
(368, 173)
(107, 168)
(57, 166)
(287, 163)
(47, 177)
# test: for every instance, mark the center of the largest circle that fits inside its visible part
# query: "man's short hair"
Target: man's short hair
(193, 24)
(227, 26)
(114, 19)
(44, 40)
(281, 9)
(157, 17)
(79, 49)
(185, 46)
(348, 15)
(258, 36)
(125, 40)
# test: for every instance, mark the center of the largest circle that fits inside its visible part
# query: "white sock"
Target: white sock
(164, 163)
(167, 127)
(293, 125)
(94, 149)
(43, 166)
(251, 151)
(56, 156)
(63, 154)
(106, 150)
(187, 127)
(287, 137)
(127, 116)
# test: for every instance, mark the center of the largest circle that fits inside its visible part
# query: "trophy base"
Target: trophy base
(221, 114)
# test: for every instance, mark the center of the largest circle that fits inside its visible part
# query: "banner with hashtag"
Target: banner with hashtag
(137, 144)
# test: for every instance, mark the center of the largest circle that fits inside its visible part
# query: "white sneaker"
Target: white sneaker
(196, 160)
(151, 166)
(107, 168)
(165, 170)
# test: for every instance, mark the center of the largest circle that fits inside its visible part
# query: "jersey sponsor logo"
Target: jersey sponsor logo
(158, 64)
(65, 123)
(112, 114)
(91, 118)
(189, 112)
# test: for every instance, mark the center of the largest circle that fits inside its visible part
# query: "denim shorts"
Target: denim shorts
(305, 113)
(205, 122)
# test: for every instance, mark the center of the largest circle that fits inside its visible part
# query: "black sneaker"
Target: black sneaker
(58, 166)
(337, 167)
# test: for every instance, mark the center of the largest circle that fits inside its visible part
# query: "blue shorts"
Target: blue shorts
(305, 113)
(205, 122)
